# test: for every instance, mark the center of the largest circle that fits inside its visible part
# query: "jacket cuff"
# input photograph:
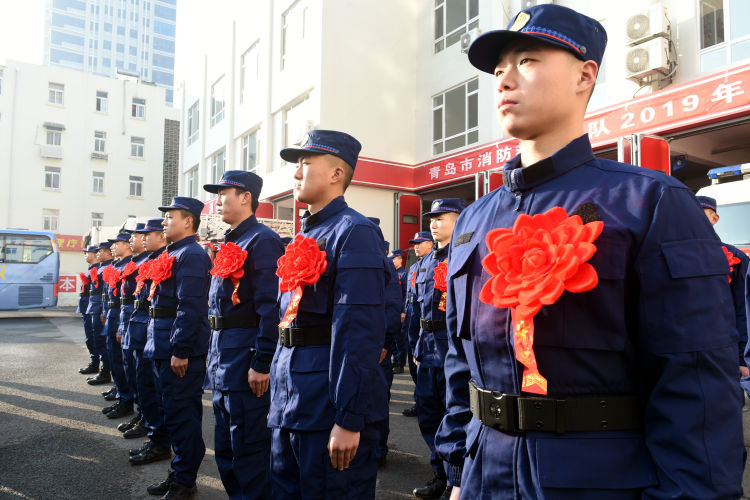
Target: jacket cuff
(454, 474)
(182, 353)
(350, 421)
(260, 366)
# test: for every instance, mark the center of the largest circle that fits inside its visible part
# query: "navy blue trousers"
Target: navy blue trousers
(128, 360)
(430, 398)
(402, 349)
(116, 364)
(384, 426)
(89, 335)
(99, 337)
(183, 413)
(148, 398)
(301, 466)
(242, 442)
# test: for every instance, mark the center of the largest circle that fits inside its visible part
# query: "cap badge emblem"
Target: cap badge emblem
(521, 19)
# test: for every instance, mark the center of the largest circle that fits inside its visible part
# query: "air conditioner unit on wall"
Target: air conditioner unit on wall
(647, 25)
(646, 59)
(469, 37)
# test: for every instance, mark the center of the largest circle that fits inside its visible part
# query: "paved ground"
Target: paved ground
(55, 443)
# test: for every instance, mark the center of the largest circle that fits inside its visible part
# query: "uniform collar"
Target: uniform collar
(125, 259)
(576, 153)
(180, 243)
(439, 253)
(308, 221)
(105, 263)
(156, 253)
(242, 228)
(92, 266)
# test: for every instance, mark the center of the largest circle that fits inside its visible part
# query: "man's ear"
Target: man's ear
(587, 78)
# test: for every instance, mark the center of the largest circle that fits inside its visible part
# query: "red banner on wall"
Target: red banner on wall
(67, 283)
(70, 242)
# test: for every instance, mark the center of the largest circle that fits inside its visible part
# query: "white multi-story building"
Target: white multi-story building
(79, 150)
(395, 75)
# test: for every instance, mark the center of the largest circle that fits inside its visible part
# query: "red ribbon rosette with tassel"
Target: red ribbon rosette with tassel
(161, 270)
(532, 264)
(441, 283)
(129, 269)
(302, 264)
(112, 277)
(94, 273)
(413, 280)
(143, 275)
(84, 280)
(228, 264)
(731, 260)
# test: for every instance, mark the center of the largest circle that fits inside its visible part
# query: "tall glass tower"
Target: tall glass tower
(104, 36)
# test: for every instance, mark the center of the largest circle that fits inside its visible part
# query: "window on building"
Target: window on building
(138, 109)
(217, 166)
(724, 34)
(52, 177)
(136, 186)
(98, 182)
(97, 218)
(250, 151)
(193, 123)
(455, 121)
(191, 182)
(453, 18)
(50, 219)
(293, 33)
(136, 146)
(56, 92)
(100, 142)
(54, 137)
(217, 101)
(295, 122)
(249, 72)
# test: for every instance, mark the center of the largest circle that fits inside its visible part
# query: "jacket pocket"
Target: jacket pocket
(464, 262)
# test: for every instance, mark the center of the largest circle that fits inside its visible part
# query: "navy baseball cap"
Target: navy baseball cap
(707, 202)
(444, 205)
(556, 25)
(104, 245)
(92, 249)
(192, 205)
(421, 237)
(238, 179)
(121, 236)
(151, 225)
(330, 142)
(396, 253)
(139, 225)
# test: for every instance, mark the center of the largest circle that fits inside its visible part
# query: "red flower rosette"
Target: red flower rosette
(302, 264)
(441, 283)
(161, 270)
(228, 264)
(129, 269)
(143, 275)
(413, 280)
(112, 277)
(731, 260)
(532, 264)
(84, 280)
(94, 273)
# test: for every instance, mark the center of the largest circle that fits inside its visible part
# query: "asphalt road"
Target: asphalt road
(56, 444)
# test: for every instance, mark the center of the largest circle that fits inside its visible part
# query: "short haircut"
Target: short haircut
(253, 200)
(335, 161)
(196, 220)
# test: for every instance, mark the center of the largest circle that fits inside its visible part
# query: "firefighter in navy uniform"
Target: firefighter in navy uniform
(400, 355)
(96, 311)
(244, 317)
(423, 245)
(177, 340)
(609, 380)
(157, 447)
(83, 303)
(124, 407)
(432, 343)
(328, 393)
(738, 272)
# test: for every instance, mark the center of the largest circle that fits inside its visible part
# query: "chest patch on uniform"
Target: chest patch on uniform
(464, 238)
(588, 212)
(322, 243)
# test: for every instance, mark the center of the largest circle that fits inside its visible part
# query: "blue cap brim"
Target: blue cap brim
(214, 188)
(484, 52)
(420, 240)
(440, 212)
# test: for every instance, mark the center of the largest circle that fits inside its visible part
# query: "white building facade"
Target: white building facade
(395, 75)
(78, 151)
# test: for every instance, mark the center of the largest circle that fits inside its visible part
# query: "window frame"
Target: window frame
(102, 102)
(217, 113)
(100, 142)
(440, 42)
(138, 109)
(214, 165)
(439, 144)
(245, 150)
(97, 176)
(54, 93)
(137, 149)
(51, 135)
(97, 221)
(193, 117)
(49, 218)
(726, 45)
(136, 182)
(54, 175)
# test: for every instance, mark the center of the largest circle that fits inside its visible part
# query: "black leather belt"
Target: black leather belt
(141, 305)
(95, 294)
(431, 326)
(238, 321)
(514, 413)
(84, 294)
(290, 337)
(127, 301)
(114, 304)
(162, 312)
